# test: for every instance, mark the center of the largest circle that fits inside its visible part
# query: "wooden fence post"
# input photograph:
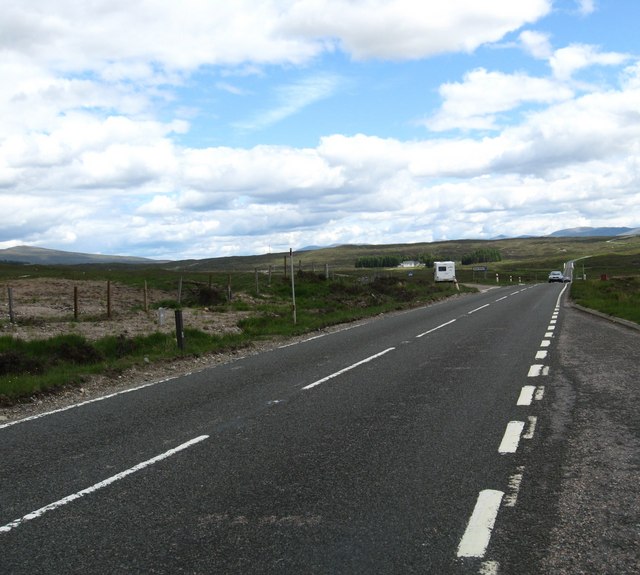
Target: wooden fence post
(75, 303)
(12, 317)
(108, 299)
(180, 291)
(146, 297)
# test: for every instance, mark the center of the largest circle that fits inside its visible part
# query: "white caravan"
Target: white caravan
(444, 271)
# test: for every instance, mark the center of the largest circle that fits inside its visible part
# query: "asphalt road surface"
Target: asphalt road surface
(431, 441)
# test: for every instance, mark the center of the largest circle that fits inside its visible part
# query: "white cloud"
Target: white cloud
(537, 44)
(400, 29)
(586, 7)
(565, 62)
(476, 102)
(291, 99)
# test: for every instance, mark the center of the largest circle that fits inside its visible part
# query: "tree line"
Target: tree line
(482, 255)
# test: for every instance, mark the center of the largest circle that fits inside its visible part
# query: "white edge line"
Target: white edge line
(436, 328)
(477, 535)
(531, 429)
(337, 373)
(88, 401)
(39, 512)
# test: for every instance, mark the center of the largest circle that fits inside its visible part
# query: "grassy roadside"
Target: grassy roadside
(612, 285)
(40, 366)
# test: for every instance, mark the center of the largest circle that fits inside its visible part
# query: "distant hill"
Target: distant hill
(44, 256)
(586, 232)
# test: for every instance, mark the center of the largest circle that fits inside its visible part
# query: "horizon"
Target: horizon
(267, 124)
(568, 233)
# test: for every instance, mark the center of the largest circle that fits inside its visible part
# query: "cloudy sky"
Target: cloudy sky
(206, 128)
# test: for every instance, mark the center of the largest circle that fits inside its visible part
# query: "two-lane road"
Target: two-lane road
(391, 446)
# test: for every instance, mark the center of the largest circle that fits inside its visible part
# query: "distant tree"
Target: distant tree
(378, 261)
(483, 255)
(427, 259)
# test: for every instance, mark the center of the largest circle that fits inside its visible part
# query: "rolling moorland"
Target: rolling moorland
(74, 322)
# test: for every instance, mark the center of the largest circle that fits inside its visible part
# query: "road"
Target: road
(404, 444)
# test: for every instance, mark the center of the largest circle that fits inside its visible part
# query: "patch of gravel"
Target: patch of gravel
(598, 530)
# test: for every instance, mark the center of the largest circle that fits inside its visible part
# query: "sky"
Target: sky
(210, 128)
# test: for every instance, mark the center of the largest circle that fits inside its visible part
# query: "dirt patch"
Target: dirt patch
(45, 307)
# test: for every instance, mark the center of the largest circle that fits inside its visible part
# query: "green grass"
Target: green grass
(618, 296)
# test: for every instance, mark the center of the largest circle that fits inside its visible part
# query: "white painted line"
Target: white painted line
(489, 568)
(503, 297)
(542, 354)
(337, 373)
(553, 322)
(548, 334)
(436, 328)
(284, 346)
(515, 481)
(551, 328)
(477, 535)
(526, 395)
(535, 370)
(511, 438)
(478, 308)
(545, 370)
(102, 398)
(545, 343)
(531, 428)
(39, 512)
(539, 393)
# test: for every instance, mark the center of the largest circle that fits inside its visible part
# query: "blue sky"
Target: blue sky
(227, 128)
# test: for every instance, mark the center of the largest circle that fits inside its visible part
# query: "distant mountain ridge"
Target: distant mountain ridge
(593, 232)
(44, 256)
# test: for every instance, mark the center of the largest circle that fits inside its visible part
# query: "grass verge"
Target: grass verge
(619, 296)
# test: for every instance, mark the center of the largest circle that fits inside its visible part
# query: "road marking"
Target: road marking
(39, 512)
(526, 395)
(489, 568)
(539, 392)
(436, 328)
(551, 327)
(548, 334)
(515, 481)
(545, 343)
(511, 438)
(478, 308)
(531, 428)
(477, 535)
(536, 370)
(102, 398)
(542, 354)
(503, 297)
(337, 373)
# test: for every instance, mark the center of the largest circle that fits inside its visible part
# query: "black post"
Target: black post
(179, 329)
